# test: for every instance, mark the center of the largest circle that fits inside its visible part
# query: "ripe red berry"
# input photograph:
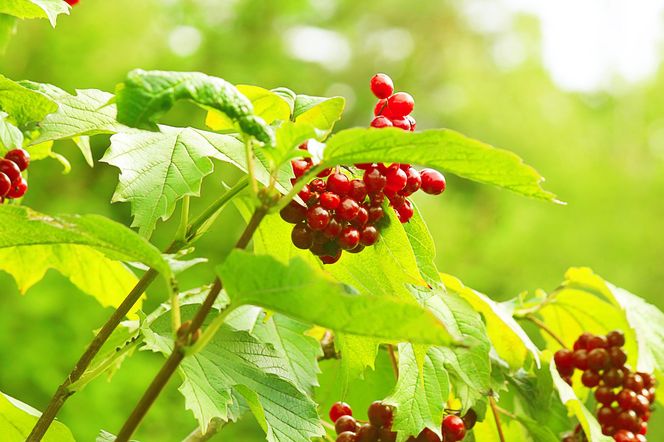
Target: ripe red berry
(413, 123)
(10, 169)
(333, 229)
(387, 435)
(345, 423)
(329, 200)
(19, 156)
(590, 379)
(470, 418)
(339, 409)
(628, 420)
(19, 187)
(317, 185)
(357, 190)
(582, 342)
(615, 338)
(348, 209)
(453, 428)
(613, 377)
(380, 122)
(346, 436)
(369, 236)
(634, 382)
(396, 179)
(302, 236)
(644, 428)
(374, 180)
(338, 183)
(300, 167)
(375, 213)
(381, 85)
(642, 405)
(581, 359)
(380, 414)
(606, 416)
(72, 2)
(627, 399)
(380, 106)
(427, 435)
(293, 213)
(400, 104)
(405, 211)
(361, 218)
(624, 436)
(598, 359)
(605, 395)
(433, 182)
(597, 342)
(5, 184)
(325, 172)
(413, 181)
(401, 123)
(349, 238)
(617, 357)
(305, 194)
(317, 218)
(564, 360)
(367, 433)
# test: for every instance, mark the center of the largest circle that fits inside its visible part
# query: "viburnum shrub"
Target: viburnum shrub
(287, 334)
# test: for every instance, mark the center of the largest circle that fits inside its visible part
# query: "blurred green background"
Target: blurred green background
(477, 66)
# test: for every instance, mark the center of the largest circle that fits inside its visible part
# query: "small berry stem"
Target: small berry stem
(496, 417)
(393, 360)
(545, 328)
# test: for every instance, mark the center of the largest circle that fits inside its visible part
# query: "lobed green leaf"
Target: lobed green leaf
(35, 9)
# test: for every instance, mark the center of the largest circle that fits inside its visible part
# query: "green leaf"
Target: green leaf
(442, 149)
(10, 136)
(508, 338)
(17, 420)
(159, 168)
(22, 104)
(421, 391)
(147, 95)
(35, 9)
(590, 425)
(322, 113)
(113, 240)
(7, 30)
(305, 293)
(359, 353)
(233, 365)
(267, 105)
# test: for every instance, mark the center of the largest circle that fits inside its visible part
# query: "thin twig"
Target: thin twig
(393, 360)
(499, 428)
(545, 328)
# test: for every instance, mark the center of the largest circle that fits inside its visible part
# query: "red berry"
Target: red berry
(413, 123)
(413, 181)
(381, 85)
(624, 436)
(72, 2)
(375, 213)
(5, 184)
(349, 238)
(293, 213)
(339, 409)
(374, 180)
(627, 399)
(369, 236)
(333, 229)
(581, 359)
(380, 122)
(633, 381)
(606, 416)
(380, 106)
(470, 419)
(405, 211)
(345, 423)
(367, 433)
(317, 218)
(401, 123)
(318, 186)
(357, 190)
(325, 172)
(628, 419)
(648, 380)
(605, 395)
(613, 377)
(361, 218)
(598, 359)
(644, 428)
(19, 187)
(582, 342)
(433, 182)
(564, 360)
(642, 405)
(19, 156)
(348, 209)
(10, 169)
(329, 200)
(377, 198)
(338, 183)
(396, 179)
(597, 342)
(453, 428)
(590, 379)
(380, 414)
(302, 236)
(400, 104)
(305, 194)
(300, 167)
(387, 435)
(615, 338)
(346, 436)
(641, 438)
(617, 357)
(427, 435)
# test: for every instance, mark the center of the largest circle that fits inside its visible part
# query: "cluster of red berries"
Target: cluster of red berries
(12, 183)
(345, 213)
(379, 427)
(623, 397)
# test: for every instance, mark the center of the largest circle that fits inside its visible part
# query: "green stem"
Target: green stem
(299, 184)
(184, 220)
(197, 435)
(546, 329)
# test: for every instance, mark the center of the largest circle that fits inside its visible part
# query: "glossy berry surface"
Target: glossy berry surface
(433, 182)
(10, 169)
(339, 409)
(400, 104)
(19, 156)
(345, 423)
(18, 189)
(380, 414)
(382, 85)
(5, 184)
(453, 428)
(380, 122)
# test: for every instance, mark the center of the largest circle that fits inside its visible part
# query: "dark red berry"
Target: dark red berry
(582, 342)
(5, 184)
(405, 211)
(597, 342)
(329, 200)
(338, 183)
(358, 190)
(293, 213)
(642, 405)
(317, 218)
(380, 414)
(380, 106)
(374, 180)
(648, 380)
(598, 359)
(349, 238)
(396, 199)
(413, 182)
(644, 428)
(581, 359)
(615, 338)
(400, 104)
(626, 399)
(433, 182)
(624, 436)
(401, 123)
(628, 419)
(19, 156)
(387, 435)
(369, 236)
(345, 423)
(396, 180)
(427, 435)
(19, 187)
(300, 167)
(361, 218)
(302, 236)
(375, 213)
(453, 428)
(318, 186)
(348, 209)
(617, 357)
(613, 377)
(305, 194)
(609, 430)
(606, 416)
(605, 395)
(469, 419)
(323, 173)
(377, 198)
(381, 85)
(380, 122)
(564, 360)
(634, 382)
(346, 436)
(590, 379)
(339, 409)
(10, 169)
(333, 229)
(367, 433)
